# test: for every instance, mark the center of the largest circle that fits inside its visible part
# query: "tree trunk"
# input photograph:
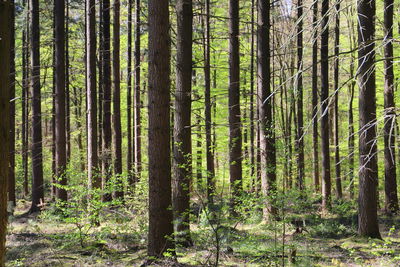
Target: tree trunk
(235, 135)
(137, 98)
(315, 96)
(5, 55)
(117, 135)
(67, 87)
(251, 113)
(336, 104)
(368, 173)
(267, 125)
(25, 105)
(91, 95)
(182, 122)
(37, 157)
(207, 109)
(61, 145)
(106, 72)
(299, 86)
(326, 175)
(130, 153)
(160, 214)
(11, 176)
(391, 199)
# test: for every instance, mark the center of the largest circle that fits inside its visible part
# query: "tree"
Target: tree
(117, 135)
(267, 134)
(315, 96)
(326, 175)
(61, 144)
(299, 86)
(391, 200)
(91, 95)
(368, 172)
(37, 157)
(207, 108)
(131, 142)
(160, 214)
(106, 101)
(5, 55)
(137, 102)
(235, 134)
(11, 176)
(336, 101)
(182, 121)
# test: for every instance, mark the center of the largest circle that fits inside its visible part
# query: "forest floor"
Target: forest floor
(328, 240)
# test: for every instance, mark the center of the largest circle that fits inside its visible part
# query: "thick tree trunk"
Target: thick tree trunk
(160, 214)
(299, 86)
(336, 104)
(326, 174)
(37, 157)
(5, 55)
(67, 87)
(267, 130)
(182, 122)
(91, 95)
(61, 145)
(106, 72)
(117, 135)
(235, 135)
(391, 199)
(368, 173)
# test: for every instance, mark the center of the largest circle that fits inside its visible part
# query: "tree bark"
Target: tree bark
(37, 157)
(326, 175)
(336, 104)
(368, 173)
(299, 86)
(391, 199)
(182, 122)
(91, 95)
(315, 96)
(235, 135)
(117, 135)
(5, 55)
(137, 95)
(160, 214)
(267, 125)
(61, 144)
(130, 152)
(106, 72)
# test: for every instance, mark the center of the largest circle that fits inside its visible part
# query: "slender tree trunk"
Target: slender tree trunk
(199, 157)
(130, 153)
(336, 104)
(207, 110)
(67, 83)
(11, 176)
(117, 135)
(5, 55)
(235, 135)
(91, 95)
(137, 98)
(326, 175)
(182, 122)
(100, 85)
(391, 199)
(315, 96)
(368, 173)
(252, 92)
(267, 125)
(37, 157)
(24, 106)
(299, 85)
(61, 145)
(106, 72)
(160, 214)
